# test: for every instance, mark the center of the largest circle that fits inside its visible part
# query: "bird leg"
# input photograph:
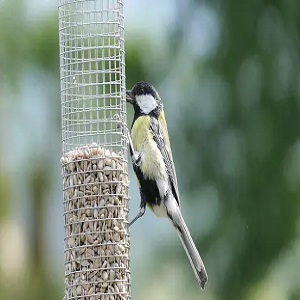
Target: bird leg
(136, 159)
(142, 210)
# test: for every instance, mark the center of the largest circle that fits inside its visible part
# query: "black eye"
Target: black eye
(142, 90)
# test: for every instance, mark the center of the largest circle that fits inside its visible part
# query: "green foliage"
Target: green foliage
(43, 44)
(266, 128)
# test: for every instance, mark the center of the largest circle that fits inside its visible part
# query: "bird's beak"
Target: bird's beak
(129, 97)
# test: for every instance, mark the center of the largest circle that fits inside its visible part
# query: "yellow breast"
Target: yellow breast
(152, 164)
(140, 133)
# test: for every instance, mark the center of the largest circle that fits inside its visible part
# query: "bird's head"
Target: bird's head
(144, 97)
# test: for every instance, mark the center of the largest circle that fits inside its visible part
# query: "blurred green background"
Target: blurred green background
(229, 74)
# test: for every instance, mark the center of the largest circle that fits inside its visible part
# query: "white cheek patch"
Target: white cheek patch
(147, 103)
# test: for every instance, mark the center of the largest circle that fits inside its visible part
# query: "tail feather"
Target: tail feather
(189, 247)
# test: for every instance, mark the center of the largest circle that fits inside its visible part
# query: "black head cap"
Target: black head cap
(142, 88)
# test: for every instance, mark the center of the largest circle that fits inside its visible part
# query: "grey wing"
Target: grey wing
(160, 140)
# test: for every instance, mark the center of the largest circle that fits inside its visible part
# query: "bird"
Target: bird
(153, 165)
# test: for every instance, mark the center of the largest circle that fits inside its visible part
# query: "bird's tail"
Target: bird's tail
(189, 246)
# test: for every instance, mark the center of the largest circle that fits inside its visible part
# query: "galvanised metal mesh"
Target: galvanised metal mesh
(92, 72)
(95, 179)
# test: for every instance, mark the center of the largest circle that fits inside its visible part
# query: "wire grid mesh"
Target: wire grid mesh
(92, 72)
(95, 178)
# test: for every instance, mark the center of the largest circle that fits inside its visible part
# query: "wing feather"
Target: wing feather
(161, 138)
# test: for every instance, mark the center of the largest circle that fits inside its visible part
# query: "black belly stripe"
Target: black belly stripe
(149, 188)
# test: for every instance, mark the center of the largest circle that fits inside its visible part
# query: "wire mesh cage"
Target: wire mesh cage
(94, 164)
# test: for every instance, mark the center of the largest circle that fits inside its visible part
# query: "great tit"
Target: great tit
(154, 167)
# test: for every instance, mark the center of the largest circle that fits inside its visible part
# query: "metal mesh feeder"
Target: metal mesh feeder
(95, 178)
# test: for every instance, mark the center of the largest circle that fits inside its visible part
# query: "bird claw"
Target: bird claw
(136, 159)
